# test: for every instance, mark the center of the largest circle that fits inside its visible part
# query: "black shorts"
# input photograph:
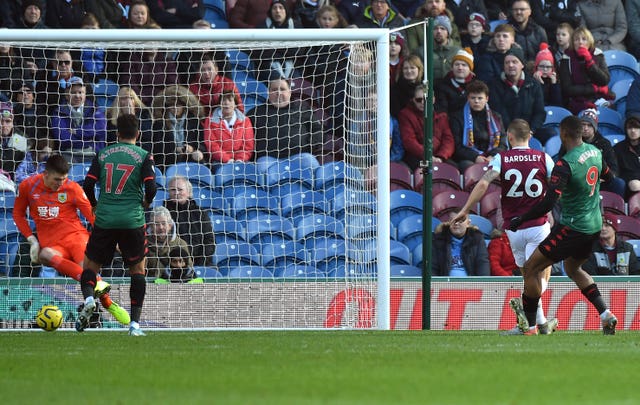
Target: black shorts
(564, 242)
(102, 245)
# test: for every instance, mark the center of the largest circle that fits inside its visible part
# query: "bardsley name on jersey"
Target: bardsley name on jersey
(588, 154)
(121, 148)
(523, 158)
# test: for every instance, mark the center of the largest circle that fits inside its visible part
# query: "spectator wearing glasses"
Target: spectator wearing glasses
(14, 145)
(52, 84)
(528, 34)
(380, 15)
(476, 38)
(545, 73)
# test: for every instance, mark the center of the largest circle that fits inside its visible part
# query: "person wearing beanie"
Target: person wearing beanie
(396, 55)
(476, 38)
(528, 34)
(627, 152)
(31, 15)
(450, 91)
(545, 73)
(415, 34)
(251, 13)
(379, 14)
(13, 145)
(462, 9)
(444, 49)
(611, 255)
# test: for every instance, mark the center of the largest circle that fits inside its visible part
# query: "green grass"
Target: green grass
(308, 367)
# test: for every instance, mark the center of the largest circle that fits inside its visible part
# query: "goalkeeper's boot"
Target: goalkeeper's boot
(516, 306)
(609, 324)
(133, 331)
(85, 316)
(548, 327)
(119, 313)
(101, 288)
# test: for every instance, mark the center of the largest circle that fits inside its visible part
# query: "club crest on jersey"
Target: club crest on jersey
(62, 197)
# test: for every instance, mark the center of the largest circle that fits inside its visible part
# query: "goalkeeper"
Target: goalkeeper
(53, 201)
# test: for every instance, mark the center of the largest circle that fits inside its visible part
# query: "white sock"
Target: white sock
(540, 318)
(88, 300)
(605, 315)
(545, 284)
(134, 325)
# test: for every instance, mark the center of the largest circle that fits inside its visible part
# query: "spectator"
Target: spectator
(188, 60)
(584, 75)
(329, 17)
(411, 75)
(65, 13)
(611, 255)
(607, 21)
(210, 84)
(443, 47)
(501, 260)
(179, 270)
(128, 102)
(459, 250)
(139, 16)
(528, 34)
(305, 12)
(430, 9)
(34, 161)
(175, 13)
(516, 94)
(475, 38)
(228, 133)
(176, 134)
(352, 10)
(79, 128)
(563, 41)
(549, 14)
(251, 13)
(498, 9)
(284, 127)
(31, 17)
(396, 56)
(491, 63)
(162, 237)
(544, 72)
(450, 91)
(148, 72)
(192, 223)
(108, 12)
(14, 145)
(628, 154)
(411, 119)
(462, 9)
(93, 60)
(14, 11)
(478, 130)
(52, 85)
(632, 11)
(379, 14)
(29, 118)
(10, 70)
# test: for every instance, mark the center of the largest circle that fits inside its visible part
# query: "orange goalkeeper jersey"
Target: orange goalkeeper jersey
(54, 212)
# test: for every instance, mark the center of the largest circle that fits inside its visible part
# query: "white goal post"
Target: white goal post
(230, 301)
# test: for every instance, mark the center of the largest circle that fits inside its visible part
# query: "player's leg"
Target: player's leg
(535, 236)
(535, 264)
(133, 254)
(55, 256)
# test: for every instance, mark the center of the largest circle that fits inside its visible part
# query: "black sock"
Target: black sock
(88, 281)
(136, 293)
(593, 295)
(530, 306)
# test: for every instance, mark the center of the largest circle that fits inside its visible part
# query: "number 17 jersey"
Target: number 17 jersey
(523, 179)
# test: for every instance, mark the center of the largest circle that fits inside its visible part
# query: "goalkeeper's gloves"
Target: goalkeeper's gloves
(515, 223)
(34, 251)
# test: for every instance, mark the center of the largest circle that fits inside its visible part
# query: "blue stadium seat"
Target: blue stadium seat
(230, 255)
(9, 247)
(404, 203)
(282, 254)
(610, 121)
(622, 66)
(215, 18)
(303, 203)
(534, 143)
(206, 272)
(317, 225)
(266, 228)
(636, 246)
(352, 201)
(48, 272)
(78, 171)
(160, 197)
(237, 173)
(282, 190)
(416, 256)
(400, 253)
(249, 85)
(333, 173)
(555, 115)
(210, 200)
(196, 173)
(306, 160)
(7, 201)
(403, 270)
(288, 171)
(250, 272)
(105, 92)
(327, 254)
(493, 24)
(298, 271)
(263, 163)
(239, 60)
(552, 146)
(226, 228)
(161, 181)
(615, 138)
(410, 231)
(248, 205)
(363, 226)
(485, 226)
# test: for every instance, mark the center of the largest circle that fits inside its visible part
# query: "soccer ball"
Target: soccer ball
(49, 318)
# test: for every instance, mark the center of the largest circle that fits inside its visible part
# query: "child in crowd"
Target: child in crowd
(545, 73)
(563, 40)
(476, 39)
(329, 17)
(396, 57)
(180, 269)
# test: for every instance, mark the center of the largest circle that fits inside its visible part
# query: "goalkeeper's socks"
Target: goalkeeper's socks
(106, 301)
(66, 267)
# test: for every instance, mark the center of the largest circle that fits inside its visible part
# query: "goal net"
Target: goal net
(279, 138)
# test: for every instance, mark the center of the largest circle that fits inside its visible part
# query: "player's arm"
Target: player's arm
(606, 174)
(90, 180)
(83, 204)
(476, 194)
(149, 180)
(20, 210)
(559, 178)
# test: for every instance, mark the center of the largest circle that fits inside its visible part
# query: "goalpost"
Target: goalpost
(324, 153)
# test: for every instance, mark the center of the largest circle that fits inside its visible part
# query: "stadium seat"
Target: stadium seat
(78, 171)
(282, 190)
(268, 228)
(239, 60)
(493, 24)
(159, 199)
(218, 5)
(636, 246)
(282, 254)
(249, 85)
(613, 203)
(474, 173)
(303, 90)
(485, 226)
(327, 254)
(352, 201)
(196, 173)
(248, 205)
(445, 177)
(215, 18)
(161, 181)
(303, 203)
(237, 173)
(628, 227)
(230, 255)
(206, 272)
(446, 203)
(615, 138)
(250, 272)
(552, 146)
(610, 121)
(410, 231)
(104, 92)
(263, 163)
(416, 256)
(298, 271)
(48, 272)
(7, 201)
(9, 247)
(318, 225)
(362, 226)
(400, 253)
(334, 173)
(403, 204)
(633, 205)
(210, 200)
(403, 270)
(555, 115)
(434, 223)
(400, 176)
(621, 89)
(288, 171)
(490, 207)
(622, 66)
(226, 228)
(306, 160)
(534, 143)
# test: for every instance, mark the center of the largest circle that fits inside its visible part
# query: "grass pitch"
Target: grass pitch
(323, 367)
